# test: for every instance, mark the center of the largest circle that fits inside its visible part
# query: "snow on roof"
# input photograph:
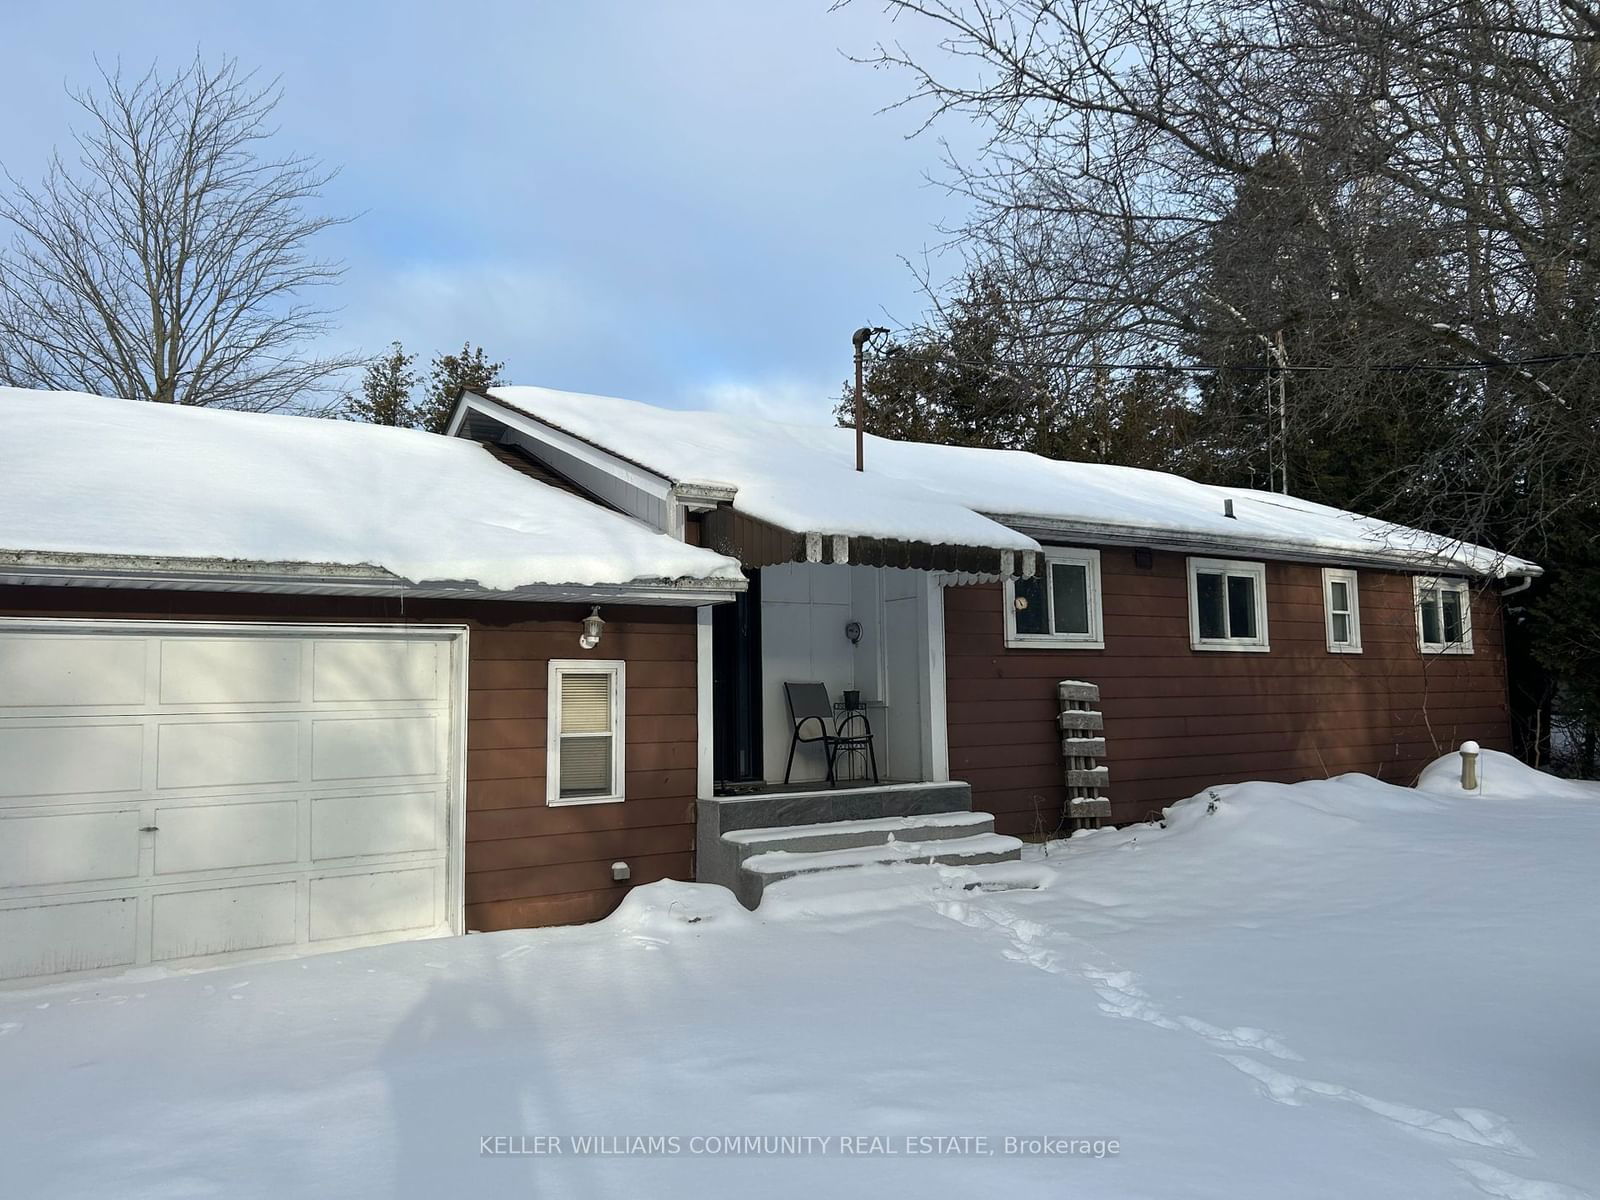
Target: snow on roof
(799, 477)
(802, 477)
(84, 474)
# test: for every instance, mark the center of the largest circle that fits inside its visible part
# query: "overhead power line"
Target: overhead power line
(1505, 364)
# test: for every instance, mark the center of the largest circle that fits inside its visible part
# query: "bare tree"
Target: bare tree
(168, 261)
(1437, 170)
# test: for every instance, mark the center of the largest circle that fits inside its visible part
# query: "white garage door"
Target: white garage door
(182, 794)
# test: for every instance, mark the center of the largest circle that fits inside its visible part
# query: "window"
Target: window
(585, 736)
(1227, 605)
(1444, 615)
(1060, 606)
(1342, 605)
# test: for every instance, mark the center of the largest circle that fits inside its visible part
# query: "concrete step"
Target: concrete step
(814, 806)
(769, 866)
(842, 835)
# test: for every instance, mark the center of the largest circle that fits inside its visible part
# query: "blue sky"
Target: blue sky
(690, 203)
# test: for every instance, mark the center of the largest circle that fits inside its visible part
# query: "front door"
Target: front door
(736, 688)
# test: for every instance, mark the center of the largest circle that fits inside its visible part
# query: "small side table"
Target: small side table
(852, 763)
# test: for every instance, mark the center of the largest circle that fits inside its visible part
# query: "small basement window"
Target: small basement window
(1060, 607)
(1342, 605)
(1444, 615)
(1227, 605)
(585, 735)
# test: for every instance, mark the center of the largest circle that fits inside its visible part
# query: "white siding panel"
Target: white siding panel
(211, 754)
(70, 759)
(375, 671)
(222, 920)
(347, 906)
(375, 747)
(69, 847)
(213, 837)
(71, 671)
(353, 826)
(229, 671)
(54, 938)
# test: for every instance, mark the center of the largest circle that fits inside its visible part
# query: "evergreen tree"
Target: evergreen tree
(972, 379)
(386, 387)
(471, 369)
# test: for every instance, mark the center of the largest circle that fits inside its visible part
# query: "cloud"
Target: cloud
(515, 311)
(792, 400)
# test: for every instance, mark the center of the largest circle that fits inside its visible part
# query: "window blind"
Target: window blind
(586, 734)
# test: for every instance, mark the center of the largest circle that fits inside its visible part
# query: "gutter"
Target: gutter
(1048, 529)
(50, 569)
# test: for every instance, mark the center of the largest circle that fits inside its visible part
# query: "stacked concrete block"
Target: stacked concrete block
(1083, 745)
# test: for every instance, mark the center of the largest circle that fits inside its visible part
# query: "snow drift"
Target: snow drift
(1328, 990)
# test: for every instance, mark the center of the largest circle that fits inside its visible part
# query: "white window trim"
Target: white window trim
(617, 669)
(1095, 639)
(1424, 583)
(1330, 576)
(1226, 566)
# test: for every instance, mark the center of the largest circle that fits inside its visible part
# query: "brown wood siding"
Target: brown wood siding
(1179, 719)
(526, 863)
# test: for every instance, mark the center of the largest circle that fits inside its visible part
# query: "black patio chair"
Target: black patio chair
(810, 702)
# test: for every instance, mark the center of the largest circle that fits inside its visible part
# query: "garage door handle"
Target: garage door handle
(148, 828)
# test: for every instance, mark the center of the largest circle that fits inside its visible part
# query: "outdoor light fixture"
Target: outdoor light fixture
(852, 630)
(592, 626)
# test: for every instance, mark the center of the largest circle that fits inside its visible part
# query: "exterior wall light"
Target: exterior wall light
(592, 628)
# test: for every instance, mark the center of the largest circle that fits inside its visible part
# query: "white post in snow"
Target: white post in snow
(1469, 766)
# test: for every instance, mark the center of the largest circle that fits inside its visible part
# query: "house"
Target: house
(271, 684)
(1211, 634)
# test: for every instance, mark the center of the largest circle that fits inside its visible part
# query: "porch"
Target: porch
(876, 632)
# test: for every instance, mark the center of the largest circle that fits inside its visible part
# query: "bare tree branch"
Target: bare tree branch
(167, 262)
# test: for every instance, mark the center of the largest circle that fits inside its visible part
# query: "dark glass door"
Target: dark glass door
(736, 688)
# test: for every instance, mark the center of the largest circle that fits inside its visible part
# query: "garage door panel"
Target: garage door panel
(83, 671)
(356, 826)
(65, 758)
(347, 906)
(211, 837)
(258, 670)
(194, 924)
(376, 748)
(211, 754)
(62, 848)
(174, 793)
(55, 938)
(346, 670)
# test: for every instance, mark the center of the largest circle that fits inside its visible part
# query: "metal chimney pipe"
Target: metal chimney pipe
(859, 340)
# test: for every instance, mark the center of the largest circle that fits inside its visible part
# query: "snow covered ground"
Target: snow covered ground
(1337, 989)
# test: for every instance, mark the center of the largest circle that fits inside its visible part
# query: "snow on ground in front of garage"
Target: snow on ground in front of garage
(1337, 989)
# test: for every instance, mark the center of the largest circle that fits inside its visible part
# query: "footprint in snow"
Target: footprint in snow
(9, 1027)
(1243, 1036)
(1119, 997)
(1503, 1185)
(1471, 1126)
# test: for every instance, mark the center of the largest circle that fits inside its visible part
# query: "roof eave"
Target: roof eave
(514, 417)
(51, 569)
(1110, 533)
